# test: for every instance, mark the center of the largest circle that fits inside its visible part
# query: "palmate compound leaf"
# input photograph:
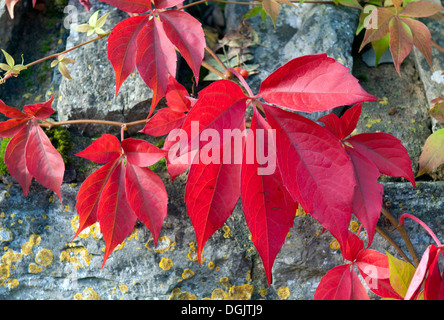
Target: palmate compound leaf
(30, 153)
(341, 283)
(371, 154)
(268, 207)
(405, 32)
(373, 267)
(148, 43)
(121, 191)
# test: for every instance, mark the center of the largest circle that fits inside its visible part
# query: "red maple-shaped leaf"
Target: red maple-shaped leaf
(313, 83)
(148, 43)
(29, 153)
(268, 207)
(121, 191)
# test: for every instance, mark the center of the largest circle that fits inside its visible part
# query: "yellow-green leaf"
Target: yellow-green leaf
(401, 273)
(432, 155)
(9, 60)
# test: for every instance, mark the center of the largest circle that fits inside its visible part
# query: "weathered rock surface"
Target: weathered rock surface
(92, 92)
(41, 261)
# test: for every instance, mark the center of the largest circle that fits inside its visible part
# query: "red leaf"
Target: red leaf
(422, 39)
(11, 127)
(104, 149)
(11, 112)
(380, 20)
(122, 45)
(421, 271)
(155, 59)
(367, 199)
(115, 215)
(15, 159)
(163, 121)
(434, 284)
(268, 207)
(352, 247)
(132, 6)
(341, 283)
(315, 169)
(386, 152)
(374, 269)
(43, 161)
(147, 197)
(313, 83)
(211, 193)
(186, 33)
(141, 153)
(401, 41)
(221, 106)
(342, 127)
(162, 4)
(40, 110)
(177, 96)
(89, 195)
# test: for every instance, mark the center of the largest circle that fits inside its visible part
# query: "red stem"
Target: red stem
(407, 215)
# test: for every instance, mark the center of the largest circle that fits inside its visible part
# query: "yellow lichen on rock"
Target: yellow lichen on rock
(78, 256)
(163, 244)
(243, 292)
(178, 294)
(166, 264)
(44, 257)
(123, 288)
(187, 274)
(34, 240)
(90, 294)
(10, 257)
(283, 292)
(227, 232)
(34, 269)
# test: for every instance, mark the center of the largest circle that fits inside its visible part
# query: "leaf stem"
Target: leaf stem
(403, 233)
(393, 243)
(51, 124)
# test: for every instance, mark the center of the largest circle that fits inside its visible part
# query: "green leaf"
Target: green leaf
(401, 273)
(83, 28)
(432, 154)
(9, 60)
(380, 46)
(101, 21)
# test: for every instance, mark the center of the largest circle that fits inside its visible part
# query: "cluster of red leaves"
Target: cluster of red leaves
(122, 191)
(329, 174)
(149, 42)
(30, 153)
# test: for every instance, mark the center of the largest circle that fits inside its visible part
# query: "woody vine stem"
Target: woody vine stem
(225, 74)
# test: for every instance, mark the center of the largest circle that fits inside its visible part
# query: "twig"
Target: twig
(403, 233)
(393, 243)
